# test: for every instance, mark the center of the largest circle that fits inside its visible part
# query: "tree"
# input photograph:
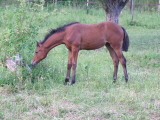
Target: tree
(113, 9)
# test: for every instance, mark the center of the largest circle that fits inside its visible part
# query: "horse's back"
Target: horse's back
(104, 29)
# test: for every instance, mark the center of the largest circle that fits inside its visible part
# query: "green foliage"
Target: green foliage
(18, 29)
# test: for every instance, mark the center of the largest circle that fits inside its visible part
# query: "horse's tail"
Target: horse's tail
(125, 45)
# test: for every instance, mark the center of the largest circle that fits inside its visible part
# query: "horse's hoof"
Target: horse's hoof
(67, 80)
(114, 81)
(73, 82)
(126, 80)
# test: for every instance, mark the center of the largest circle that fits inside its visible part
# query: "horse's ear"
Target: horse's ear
(38, 44)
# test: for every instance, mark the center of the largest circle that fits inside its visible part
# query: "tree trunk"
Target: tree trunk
(113, 9)
(113, 15)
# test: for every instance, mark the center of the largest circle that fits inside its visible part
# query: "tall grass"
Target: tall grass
(40, 94)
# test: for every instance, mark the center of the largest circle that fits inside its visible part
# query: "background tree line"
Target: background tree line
(135, 1)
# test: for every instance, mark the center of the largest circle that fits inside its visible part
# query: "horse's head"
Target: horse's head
(40, 54)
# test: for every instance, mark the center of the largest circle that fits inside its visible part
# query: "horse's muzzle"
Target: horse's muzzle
(33, 63)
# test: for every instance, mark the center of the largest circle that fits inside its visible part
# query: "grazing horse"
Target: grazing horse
(80, 36)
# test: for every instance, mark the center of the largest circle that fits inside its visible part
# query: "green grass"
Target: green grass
(41, 94)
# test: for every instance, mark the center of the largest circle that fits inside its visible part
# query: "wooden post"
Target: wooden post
(5, 2)
(87, 6)
(159, 7)
(54, 3)
(87, 2)
(132, 9)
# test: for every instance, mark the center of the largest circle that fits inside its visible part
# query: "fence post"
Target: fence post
(87, 6)
(5, 2)
(54, 2)
(132, 9)
(159, 7)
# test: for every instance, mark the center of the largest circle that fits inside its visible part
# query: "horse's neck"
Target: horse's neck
(54, 40)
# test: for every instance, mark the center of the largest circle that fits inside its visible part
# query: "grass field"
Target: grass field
(41, 95)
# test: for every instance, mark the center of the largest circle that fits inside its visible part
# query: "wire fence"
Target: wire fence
(90, 4)
(137, 6)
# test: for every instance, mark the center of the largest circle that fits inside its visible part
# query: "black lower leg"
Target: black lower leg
(66, 81)
(126, 78)
(73, 75)
(73, 82)
(114, 81)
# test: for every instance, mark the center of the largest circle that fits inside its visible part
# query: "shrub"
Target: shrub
(19, 25)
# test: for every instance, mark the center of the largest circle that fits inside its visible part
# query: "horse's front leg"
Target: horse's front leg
(69, 65)
(75, 51)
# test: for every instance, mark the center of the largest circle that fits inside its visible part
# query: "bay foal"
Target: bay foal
(80, 36)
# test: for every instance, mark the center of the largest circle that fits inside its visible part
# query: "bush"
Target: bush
(19, 26)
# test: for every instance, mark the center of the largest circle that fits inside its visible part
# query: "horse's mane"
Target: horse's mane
(59, 29)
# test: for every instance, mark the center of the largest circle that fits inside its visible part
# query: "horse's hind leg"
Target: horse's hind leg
(122, 59)
(115, 60)
(68, 67)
